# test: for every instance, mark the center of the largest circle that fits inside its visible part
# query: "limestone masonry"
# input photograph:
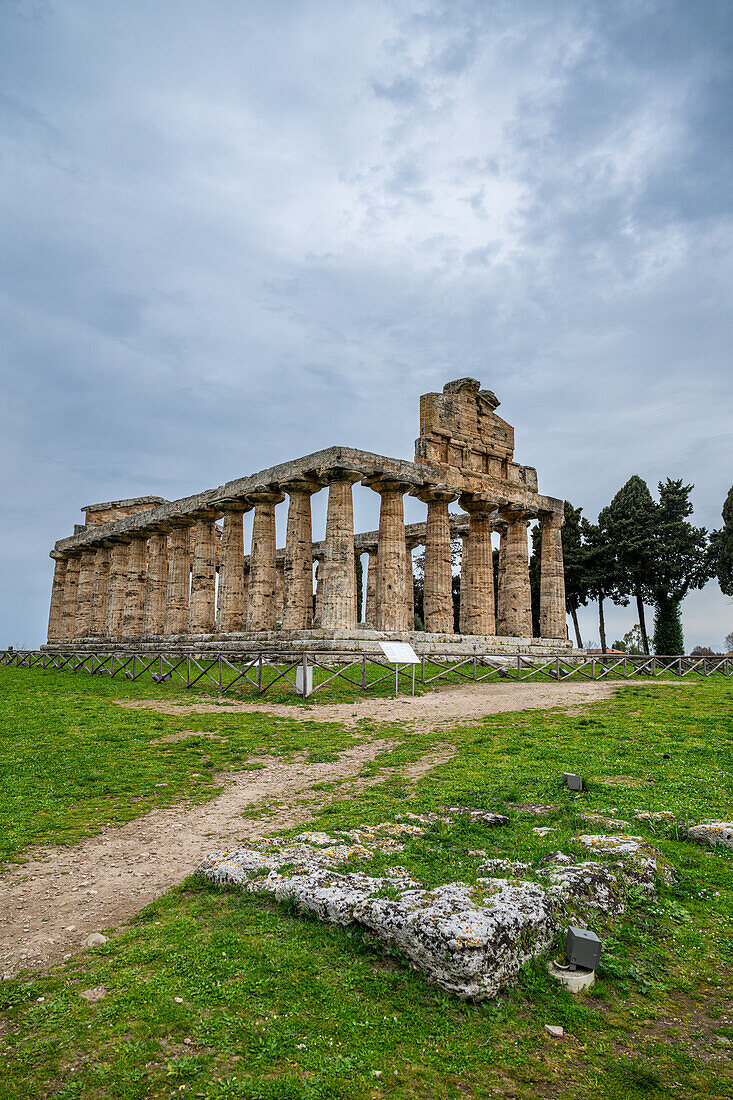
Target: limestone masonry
(145, 570)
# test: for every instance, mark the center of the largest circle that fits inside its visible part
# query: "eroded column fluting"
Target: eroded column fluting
(202, 604)
(391, 598)
(179, 580)
(83, 613)
(117, 588)
(517, 598)
(156, 584)
(56, 610)
(480, 614)
(339, 594)
(370, 609)
(553, 621)
(438, 584)
(231, 606)
(100, 591)
(71, 584)
(298, 565)
(137, 567)
(261, 609)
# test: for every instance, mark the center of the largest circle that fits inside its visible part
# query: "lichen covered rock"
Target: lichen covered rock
(641, 861)
(486, 817)
(470, 941)
(598, 885)
(712, 832)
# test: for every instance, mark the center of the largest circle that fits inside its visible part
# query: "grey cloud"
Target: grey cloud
(236, 235)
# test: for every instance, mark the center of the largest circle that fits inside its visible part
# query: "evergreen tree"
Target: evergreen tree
(724, 548)
(683, 561)
(576, 588)
(602, 579)
(630, 525)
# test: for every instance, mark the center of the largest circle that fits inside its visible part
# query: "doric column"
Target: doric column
(202, 604)
(83, 613)
(137, 568)
(117, 587)
(410, 545)
(71, 584)
(156, 584)
(553, 621)
(480, 616)
(56, 610)
(500, 611)
(279, 589)
(438, 590)
(370, 610)
(463, 613)
(391, 598)
(231, 609)
(339, 595)
(100, 590)
(517, 598)
(298, 565)
(179, 578)
(261, 609)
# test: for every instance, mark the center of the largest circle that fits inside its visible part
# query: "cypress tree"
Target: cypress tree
(724, 547)
(630, 523)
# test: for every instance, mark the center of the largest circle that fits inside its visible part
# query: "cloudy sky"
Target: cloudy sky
(238, 231)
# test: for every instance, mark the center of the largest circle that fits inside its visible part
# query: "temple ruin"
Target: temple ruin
(174, 574)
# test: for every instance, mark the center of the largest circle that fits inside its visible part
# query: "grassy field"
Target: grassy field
(214, 994)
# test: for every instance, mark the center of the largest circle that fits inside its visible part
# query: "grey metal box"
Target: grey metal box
(582, 947)
(572, 782)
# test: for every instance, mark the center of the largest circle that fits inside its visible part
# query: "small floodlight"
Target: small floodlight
(161, 677)
(582, 948)
(572, 782)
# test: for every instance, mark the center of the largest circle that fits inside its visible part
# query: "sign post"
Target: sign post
(400, 653)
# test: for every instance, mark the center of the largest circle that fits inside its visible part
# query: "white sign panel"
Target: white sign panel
(399, 653)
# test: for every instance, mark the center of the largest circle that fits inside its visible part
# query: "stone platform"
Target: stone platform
(292, 644)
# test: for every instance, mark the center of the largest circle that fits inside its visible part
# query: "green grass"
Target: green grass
(277, 1005)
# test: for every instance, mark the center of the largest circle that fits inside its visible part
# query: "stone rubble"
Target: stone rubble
(712, 832)
(642, 861)
(468, 940)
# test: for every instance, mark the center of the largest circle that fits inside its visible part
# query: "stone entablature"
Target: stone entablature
(147, 567)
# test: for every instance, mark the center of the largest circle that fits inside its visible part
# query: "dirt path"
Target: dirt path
(459, 702)
(50, 904)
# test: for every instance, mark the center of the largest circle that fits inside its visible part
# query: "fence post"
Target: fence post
(220, 674)
(259, 676)
(188, 670)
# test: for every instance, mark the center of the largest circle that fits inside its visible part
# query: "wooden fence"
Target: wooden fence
(365, 672)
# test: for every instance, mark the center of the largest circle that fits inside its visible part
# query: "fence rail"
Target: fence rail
(365, 672)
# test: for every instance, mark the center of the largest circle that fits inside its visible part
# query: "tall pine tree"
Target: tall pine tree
(576, 587)
(600, 569)
(629, 522)
(683, 561)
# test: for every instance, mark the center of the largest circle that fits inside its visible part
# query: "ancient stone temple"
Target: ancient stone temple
(154, 573)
